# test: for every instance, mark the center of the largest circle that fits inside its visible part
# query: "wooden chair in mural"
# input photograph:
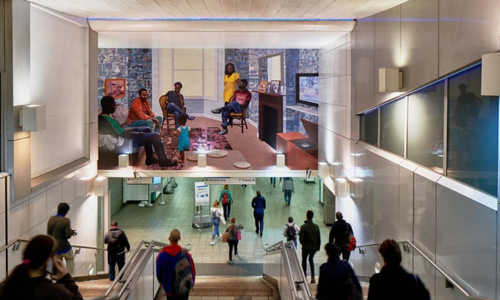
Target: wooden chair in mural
(168, 118)
(241, 117)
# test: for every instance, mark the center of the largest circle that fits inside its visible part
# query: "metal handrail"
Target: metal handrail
(451, 280)
(280, 247)
(12, 244)
(448, 277)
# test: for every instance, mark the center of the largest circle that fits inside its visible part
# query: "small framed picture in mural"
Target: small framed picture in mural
(262, 86)
(115, 87)
(275, 86)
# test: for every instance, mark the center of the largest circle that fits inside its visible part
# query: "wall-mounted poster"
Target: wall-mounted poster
(115, 87)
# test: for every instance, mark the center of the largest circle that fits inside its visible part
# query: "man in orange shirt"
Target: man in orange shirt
(140, 113)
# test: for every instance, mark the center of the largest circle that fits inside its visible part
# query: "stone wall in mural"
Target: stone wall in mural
(134, 65)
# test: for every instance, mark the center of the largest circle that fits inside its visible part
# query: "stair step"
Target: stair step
(93, 288)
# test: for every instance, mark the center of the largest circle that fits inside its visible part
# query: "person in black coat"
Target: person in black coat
(339, 235)
(393, 282)
(333, 276)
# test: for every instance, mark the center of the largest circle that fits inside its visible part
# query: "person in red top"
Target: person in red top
(166, 263)
(239, 101)
(140, 113)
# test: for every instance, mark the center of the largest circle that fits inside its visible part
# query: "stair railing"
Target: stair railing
(450, 282)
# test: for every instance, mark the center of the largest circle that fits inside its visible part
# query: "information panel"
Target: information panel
(201, 193)
(229, 180)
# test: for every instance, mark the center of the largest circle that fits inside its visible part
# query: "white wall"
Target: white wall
(400, 200)
(59, 79)
(28, 216)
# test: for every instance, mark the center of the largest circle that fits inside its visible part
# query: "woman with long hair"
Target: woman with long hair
(232, 238)
(29, 279)
(231, 81)
(217, 217)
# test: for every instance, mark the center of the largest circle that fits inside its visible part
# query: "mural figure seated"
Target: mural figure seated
(239, 102)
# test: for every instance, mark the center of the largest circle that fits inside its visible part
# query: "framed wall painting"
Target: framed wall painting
(262, 86)
(275, 86)
(115, 87)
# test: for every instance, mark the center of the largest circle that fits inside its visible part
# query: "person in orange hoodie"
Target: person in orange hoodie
(140, 113)
(175, 269)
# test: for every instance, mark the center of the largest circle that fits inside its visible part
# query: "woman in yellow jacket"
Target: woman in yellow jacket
(231, 80)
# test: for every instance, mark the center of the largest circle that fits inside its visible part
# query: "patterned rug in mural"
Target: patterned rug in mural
(206, 138)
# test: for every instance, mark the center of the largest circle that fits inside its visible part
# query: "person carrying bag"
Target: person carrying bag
(234, 235)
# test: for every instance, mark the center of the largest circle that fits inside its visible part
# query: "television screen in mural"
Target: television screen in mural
(307, 88)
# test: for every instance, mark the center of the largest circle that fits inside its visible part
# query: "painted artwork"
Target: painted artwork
(262, 86)
(275, 86)
(115, 87)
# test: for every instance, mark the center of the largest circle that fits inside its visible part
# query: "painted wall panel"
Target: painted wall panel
(425, 215)
(467, 29)
(387, 46)
(465, 227)
(419, 30)
(405, 217)
(385, 202)
(364, 65)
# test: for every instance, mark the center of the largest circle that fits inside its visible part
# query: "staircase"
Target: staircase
(230, 288)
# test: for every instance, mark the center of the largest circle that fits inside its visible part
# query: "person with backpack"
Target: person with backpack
(340, 235)
(175, 269)
(291, 231)
(234, 236)
(393, 282)
(118, 244)
(226, 198)
(337, 279)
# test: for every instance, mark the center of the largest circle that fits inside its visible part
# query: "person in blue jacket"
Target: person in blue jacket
(259, 205)
(166, 264)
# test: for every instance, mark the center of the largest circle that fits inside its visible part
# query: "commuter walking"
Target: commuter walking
(393, 282)
(288, 189)
(59, 227)
(217, 218)
(118, 244)
(29, 279)
(273, 181)
(291, 231)
(333, 276)
(175, 269)
(259, 205)
(234, 235)
(310, 240)
(226, 197)
(339, 235)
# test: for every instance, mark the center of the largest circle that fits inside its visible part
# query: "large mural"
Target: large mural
(134, 66)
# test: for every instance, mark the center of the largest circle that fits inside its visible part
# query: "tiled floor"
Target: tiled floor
(143, 223)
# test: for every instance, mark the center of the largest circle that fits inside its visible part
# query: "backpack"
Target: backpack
(182, 281)
(114, 244)
(291, 233)
(351, 240)
(225, 199)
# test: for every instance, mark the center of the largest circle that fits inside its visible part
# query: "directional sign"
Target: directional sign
(229, 180)
(201, 193)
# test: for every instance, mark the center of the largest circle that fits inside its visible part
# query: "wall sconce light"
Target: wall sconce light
(33, 117)
(336, 170)
(341, 187)
(98, 186)
(489, 74)
(356, 187)
(202, 160)
(123, 161)
(280, 160)
(390, 80)
(323, 170)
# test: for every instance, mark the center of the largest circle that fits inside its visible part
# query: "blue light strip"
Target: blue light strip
(220, 19)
